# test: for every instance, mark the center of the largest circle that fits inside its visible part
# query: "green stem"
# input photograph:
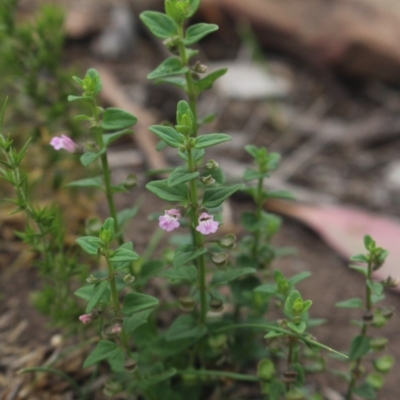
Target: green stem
(198, 242)
(191, 92)
(224, 374)
(257, 233)
(292, 342)
(364, 328)
(268, 327)
(113, 288)
(106, 174)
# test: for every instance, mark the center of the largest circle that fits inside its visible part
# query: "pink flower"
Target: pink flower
(85, 318)
(63, 142)
(207, 224)
(169, 221)
(116, 329)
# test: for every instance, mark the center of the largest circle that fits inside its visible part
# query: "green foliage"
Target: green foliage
(188, 353)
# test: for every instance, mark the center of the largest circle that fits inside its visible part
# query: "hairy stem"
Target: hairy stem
(198, 242)
(106, 174)
(364, 328)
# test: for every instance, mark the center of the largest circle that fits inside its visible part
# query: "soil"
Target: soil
(352, 174)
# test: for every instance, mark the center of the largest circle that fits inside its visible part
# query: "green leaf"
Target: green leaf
(369, 243)
(135, 302)
(294, 280)
(150, 269)
(192, 8)
(267, 288)
(359, 347)
(196, 32)
(185, 327)
(152, 380)
(176, 194)
(159, 24)
(280, 194)
(359, 258)
(98, 292)
(251, 175)
(181, 175)
(170, 66)
(222, 277)
(365, 391)
(124, 254)
(361, 270)
(115, 118)
(213, 197)
(252, 223)
(276, 390)
(137, 319)
(168, 135)
(376, 287)
(186, 253)
(86, 293)
(197, 154)
(89, 157)
(90, 244)
(208, 81)
(108, 138)
(88, 182)
(105, 350)
(74, 98)
(125, 215)
(299, 328)
(350, 303)
(211, 139)
(173, 80)
(188, 274)
(290, 301)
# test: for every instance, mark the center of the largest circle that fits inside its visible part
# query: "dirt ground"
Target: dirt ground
(352, 173)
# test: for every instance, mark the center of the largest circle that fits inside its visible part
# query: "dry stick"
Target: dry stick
(113, 93)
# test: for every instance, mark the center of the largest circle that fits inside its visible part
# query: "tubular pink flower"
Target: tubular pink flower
(63, 142)
(169, 221)
(207, 224)
(85, 318)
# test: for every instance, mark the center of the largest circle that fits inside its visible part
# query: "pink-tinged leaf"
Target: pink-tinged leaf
(343, 228)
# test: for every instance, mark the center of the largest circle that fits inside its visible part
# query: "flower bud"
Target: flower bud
(289, 376)
(379, 320)
(376, 380)
(228, 241)
(266, 369)
(128, 279)
(112, 388)
(92, 279)
(378, 344)
(130, 365)
(387, 312)
(187, 303)
(383, 364)
(207, 180)
(390, 282)
(200, 68)
(219, 259)
(211, 164)
(216, 305)
(218, 342)
(368, 317)
(130, 181)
